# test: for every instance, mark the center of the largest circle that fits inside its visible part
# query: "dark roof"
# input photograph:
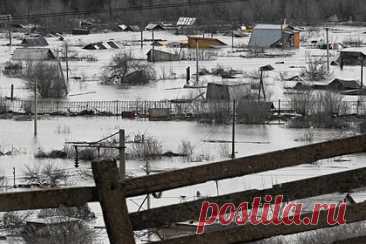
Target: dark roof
(153, 26)
(102, 45)
(344, 84)
(33, 54)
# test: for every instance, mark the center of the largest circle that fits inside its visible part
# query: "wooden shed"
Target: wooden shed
(226, 92)
(204, 42)
(161, 56)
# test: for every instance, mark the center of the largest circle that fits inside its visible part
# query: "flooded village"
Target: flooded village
(173, 110)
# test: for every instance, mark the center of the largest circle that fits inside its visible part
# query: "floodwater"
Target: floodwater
(253, 139)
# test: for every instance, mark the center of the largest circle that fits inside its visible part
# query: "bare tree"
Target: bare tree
(124, 64)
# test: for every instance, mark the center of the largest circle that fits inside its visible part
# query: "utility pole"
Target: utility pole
(122, 159)
(327, 40)
(232, 36)
(362, 64)
(148, 199)
(35, 107)
(197, 71)
(11, 92)
(142, 38)
(67, 62)
(233, 131)
(10, 30)
(153, 46)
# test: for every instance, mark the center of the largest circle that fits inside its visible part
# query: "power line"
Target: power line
(125, 9)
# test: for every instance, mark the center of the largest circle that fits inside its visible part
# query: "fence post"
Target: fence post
(111, 196)
(122, 159)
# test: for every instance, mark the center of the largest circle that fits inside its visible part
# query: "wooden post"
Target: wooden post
(188, 75)
(233, 131)
(11, 92)
(122, 159)
(111, 196)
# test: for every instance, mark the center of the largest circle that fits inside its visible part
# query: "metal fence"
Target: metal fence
(61, 107)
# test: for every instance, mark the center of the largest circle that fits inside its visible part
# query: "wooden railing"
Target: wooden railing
(112, 193)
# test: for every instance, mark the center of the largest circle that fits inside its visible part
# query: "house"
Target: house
(132, 28)
(161, 56)
(25, 56)
(159, 114)
(33, 54)
(352, 56)
(226, 92)
(342, 85)
(204, 42)
(102, 45)
(34, 41)
(80, 31)
(272, 36)
(154, 27)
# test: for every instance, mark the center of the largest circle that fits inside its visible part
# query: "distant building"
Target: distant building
(102, 45)
(80, 31)
(352, 56)
(272, 36)
(154, 27)
(34, 41)
(226, 92)
(161, 56)
(33, 54)
(133, 28)
(204, 42)
(342, 85)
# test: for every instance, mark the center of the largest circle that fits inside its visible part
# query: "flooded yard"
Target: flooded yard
(54, 132)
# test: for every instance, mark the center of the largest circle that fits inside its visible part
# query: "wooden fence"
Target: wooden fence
(112, 193)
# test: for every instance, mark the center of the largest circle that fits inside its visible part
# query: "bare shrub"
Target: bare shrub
(316, 68)
(123, 65)
(224, 151)
(50, 175)
(353, 41)
(49, 79)
(67, 230)
(149, 148)
(82, 212)
(187, 149)
(318, 110)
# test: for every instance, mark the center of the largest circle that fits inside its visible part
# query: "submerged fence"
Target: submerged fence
(61, 107)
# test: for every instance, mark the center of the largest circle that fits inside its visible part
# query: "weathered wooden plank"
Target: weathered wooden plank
(321, 185)
(246, 165)
(48, 198)
(249, 233)
(111, 195)
(355, 240)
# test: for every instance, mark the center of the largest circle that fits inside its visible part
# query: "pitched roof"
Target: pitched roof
(264, 36)
(153, 26)
(33, 54)
(102, 45)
